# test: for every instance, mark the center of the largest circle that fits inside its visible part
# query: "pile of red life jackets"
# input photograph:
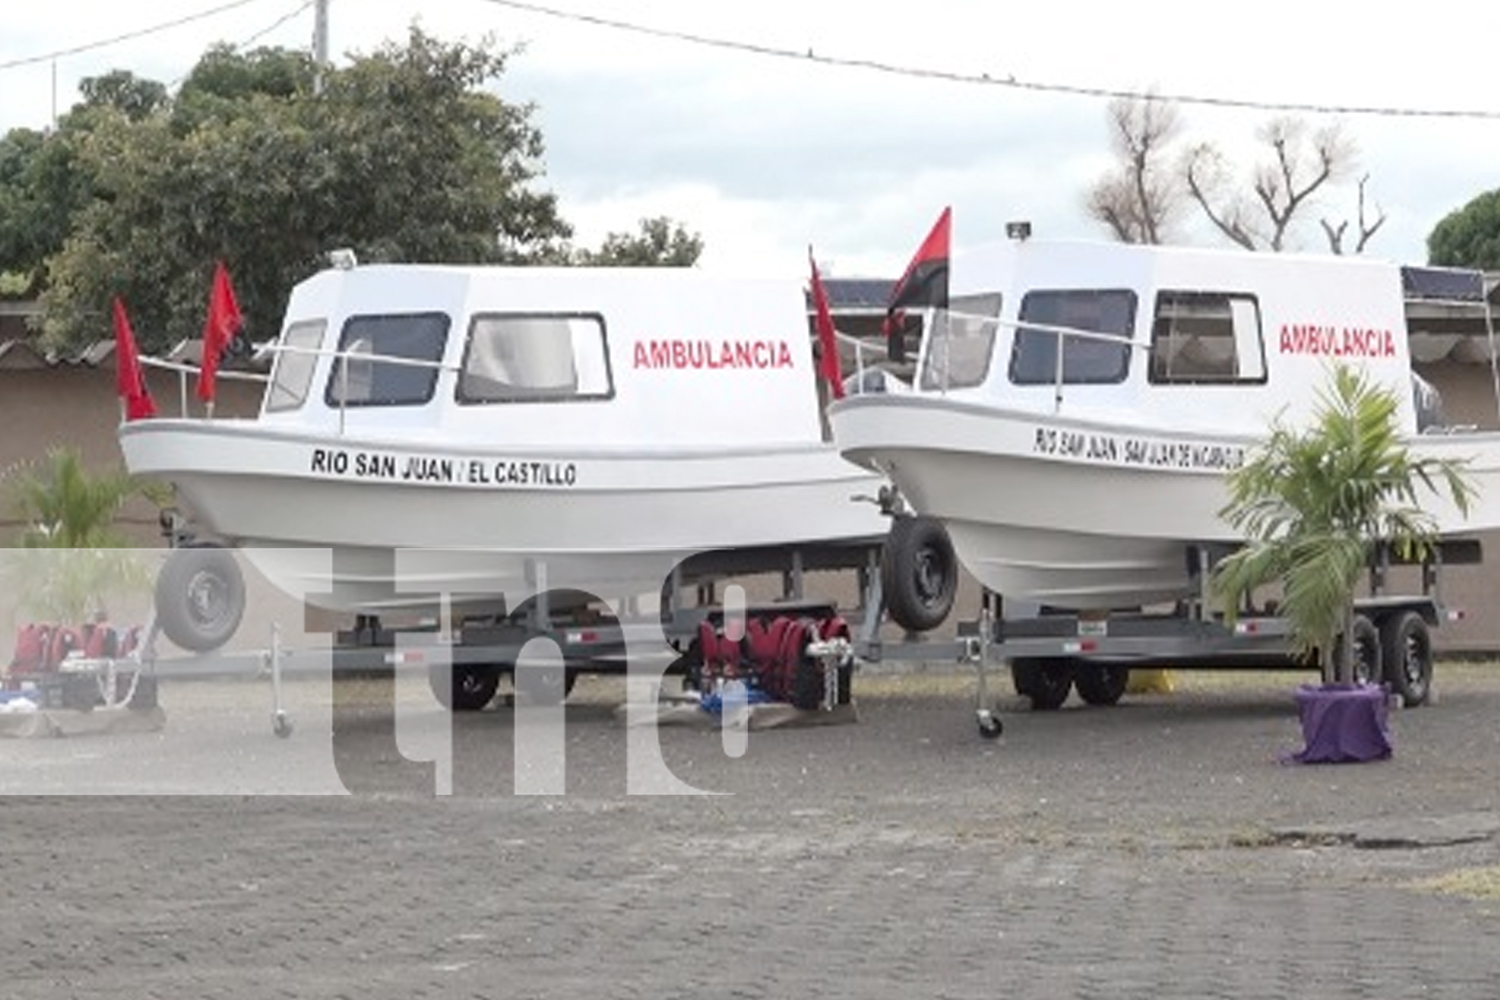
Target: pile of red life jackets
(41, 648)
(770, 656)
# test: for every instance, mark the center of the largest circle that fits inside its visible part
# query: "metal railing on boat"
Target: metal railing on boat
(861, 347)
(184, 370)
(273, 348)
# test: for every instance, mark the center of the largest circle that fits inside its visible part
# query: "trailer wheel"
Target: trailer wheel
(464, 687)
(1101, 683)
(1406, 649)
(1367, 652)
(919, 573)
(200, 597)
(1045, 682)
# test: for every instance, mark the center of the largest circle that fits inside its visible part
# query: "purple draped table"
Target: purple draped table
(1343, 723)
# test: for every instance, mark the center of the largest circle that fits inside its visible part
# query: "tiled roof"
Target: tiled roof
(856, 294)
(23, 354)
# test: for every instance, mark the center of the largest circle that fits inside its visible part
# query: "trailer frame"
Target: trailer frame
(1050, 652)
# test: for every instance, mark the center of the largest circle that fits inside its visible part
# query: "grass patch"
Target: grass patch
(1474, 883)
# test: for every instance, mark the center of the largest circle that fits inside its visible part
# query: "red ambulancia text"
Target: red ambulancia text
(1310, 338)
(709, 354)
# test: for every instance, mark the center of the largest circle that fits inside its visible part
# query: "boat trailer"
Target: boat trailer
(817, 650)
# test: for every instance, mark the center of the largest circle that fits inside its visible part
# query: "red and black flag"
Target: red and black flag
(828, 346)
(925, 284)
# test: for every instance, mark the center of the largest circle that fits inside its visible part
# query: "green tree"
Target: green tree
(131, 95)
(225, 74)
(42, 189)
(658, 243)
(404, 156)
(1313, 503)
(407, 154)
(46, 178)
(1469, 236)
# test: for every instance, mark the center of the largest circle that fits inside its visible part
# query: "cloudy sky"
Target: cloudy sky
(991, 107)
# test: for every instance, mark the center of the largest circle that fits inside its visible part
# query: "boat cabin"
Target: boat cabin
(1217, 341)
(638, 358)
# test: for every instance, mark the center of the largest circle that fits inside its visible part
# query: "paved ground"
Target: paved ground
(1156, 849)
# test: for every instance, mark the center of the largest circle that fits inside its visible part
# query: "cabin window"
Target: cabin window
(1205, 338)
(1085, 359)
(291, 376)
(393, 360)
(960, 342)
(514, 358)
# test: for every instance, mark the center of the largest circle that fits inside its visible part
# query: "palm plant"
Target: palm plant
(71, 553)
(1314, 503)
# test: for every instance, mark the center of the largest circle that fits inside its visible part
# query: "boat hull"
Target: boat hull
(1081, 514)
(374, 525)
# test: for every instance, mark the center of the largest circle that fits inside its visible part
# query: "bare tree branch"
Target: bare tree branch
(1335, 235)
(1367, 229)
(1203, 172)
(1281, 191)
(1139, 200)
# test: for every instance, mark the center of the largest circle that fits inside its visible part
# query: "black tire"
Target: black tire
(918, 573)
(464, 687)
(1101, 683)
(1406, 651)
(548, 685)
(1045, 682)
(1368, 668)
(200, 597)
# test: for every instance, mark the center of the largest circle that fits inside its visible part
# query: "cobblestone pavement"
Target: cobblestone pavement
(1155, 849)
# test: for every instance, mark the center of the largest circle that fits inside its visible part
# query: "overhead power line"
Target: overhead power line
(283, 19)
(986, 79)
(127, 36)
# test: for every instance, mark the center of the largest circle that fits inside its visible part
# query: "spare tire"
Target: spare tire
(918, 573)
(200, 597)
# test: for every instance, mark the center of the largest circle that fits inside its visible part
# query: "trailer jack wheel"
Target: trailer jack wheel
(990, 726)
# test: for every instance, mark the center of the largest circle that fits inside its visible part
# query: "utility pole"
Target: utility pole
(320, 43)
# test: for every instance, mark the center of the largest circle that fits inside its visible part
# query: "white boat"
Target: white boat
(1083, 480)
(481, 432)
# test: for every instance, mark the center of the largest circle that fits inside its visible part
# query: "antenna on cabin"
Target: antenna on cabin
(343, 259)
(1018, 230)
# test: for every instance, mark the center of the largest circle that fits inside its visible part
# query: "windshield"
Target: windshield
(382, 379)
